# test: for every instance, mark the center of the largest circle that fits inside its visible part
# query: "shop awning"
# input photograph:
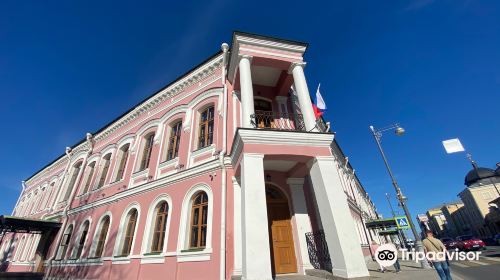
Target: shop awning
(381, 223)
(23, 225)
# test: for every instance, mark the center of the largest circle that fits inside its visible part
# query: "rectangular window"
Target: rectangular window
(105, 169)
(206, 130)
(174, 141)
(146, 154)
(123, 163)
(72, 182)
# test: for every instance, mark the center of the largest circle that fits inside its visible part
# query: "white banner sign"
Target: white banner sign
(453, 146)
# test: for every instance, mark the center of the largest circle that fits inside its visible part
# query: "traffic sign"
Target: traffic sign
(402, 222)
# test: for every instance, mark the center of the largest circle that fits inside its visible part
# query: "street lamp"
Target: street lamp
(399, 131)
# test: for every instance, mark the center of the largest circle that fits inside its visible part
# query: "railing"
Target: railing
(277, 120)
(319, 256)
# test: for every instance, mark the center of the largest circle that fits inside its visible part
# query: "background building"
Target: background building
(482, 187)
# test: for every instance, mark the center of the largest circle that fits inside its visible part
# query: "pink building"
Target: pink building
(223, 173)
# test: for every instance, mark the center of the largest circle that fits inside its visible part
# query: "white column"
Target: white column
(256, 260)
(299, 80)
(237, 227)
(301, 219)
(340, 231)
(247, 106)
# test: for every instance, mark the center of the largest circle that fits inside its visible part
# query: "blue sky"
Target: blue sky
(433, 66)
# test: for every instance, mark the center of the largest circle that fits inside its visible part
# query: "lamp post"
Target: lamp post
(377, 134)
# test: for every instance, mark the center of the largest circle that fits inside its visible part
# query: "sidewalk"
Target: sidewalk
(409, 270)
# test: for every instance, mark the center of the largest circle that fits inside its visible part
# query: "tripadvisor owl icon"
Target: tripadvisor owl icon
(386, 255)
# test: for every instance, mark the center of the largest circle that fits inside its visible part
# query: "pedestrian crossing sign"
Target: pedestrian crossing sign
(402, 222)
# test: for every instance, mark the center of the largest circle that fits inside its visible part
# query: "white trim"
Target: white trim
(184, 227)
(79, 236)
(198, 256)
(123, 227)
(153, 259)
(203, 151)
(167, 164)
(97, 232)
(160, 183)
(148, 233)
(59, 255)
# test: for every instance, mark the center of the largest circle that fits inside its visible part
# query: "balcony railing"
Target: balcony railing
(277, 120)
(319, 256)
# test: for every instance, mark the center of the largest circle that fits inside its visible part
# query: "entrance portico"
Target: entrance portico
(284, 159)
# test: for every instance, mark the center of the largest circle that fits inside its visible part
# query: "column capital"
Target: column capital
(246, 56)
(295, 181)
(252, 155)
(295, 64)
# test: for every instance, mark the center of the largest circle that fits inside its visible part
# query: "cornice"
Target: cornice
(196, 76)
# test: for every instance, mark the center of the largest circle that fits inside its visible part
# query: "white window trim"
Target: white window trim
(148, 233)
(59, 255)
(77, 240)
(184, 228)
(111, 152)
(119, 154)
(97, 231)
(86, 177)
(121, 229)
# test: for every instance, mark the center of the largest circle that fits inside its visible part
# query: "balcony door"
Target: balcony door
(280, 232)
(263, 113)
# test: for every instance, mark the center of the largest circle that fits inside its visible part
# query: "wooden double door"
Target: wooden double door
(283, 258)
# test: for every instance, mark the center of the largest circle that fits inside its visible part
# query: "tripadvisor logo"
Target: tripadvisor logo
(387, 255)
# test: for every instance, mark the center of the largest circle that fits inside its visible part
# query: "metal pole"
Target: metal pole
(418, 240)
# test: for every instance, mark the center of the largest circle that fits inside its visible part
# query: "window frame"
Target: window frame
(183, 250)
(176, 126)
(89, 177)
(79, 247)
(104, 170)
(199, 223)
(148, 141)
(73, 180)
(203, 126)
(122, 163)
(149, 230)
(98, 233)
(61, 255)
(129, 239)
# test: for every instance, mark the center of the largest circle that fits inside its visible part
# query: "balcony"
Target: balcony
(283, 121)
(277, 120)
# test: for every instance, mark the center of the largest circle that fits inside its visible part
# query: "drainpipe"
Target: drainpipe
(23, 184)
(90, 144)
(222, 155)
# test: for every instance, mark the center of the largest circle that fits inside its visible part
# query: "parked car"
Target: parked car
(469, 242)
(497, 238)
(449, 243)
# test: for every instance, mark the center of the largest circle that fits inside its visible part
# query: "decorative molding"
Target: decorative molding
(195, 77)
(296, 64)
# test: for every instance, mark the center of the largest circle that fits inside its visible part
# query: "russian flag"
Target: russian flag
(319, 105)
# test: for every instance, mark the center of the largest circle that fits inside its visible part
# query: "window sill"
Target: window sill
(140, 173)
(194, 255)
(169, 162)
(153, 258)
(203, 150)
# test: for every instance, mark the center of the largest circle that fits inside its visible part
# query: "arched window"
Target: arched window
(101, 238)
(146, 151)
(123, 156)
(174, 140)
(105, 169)
(88, 180)
(128, 239)
(74, 175)
(206, 127)
(63, 246)
(160, 224)
(81, 241)
(199, 214)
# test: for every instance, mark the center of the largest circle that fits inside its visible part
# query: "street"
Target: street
(487, 268)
